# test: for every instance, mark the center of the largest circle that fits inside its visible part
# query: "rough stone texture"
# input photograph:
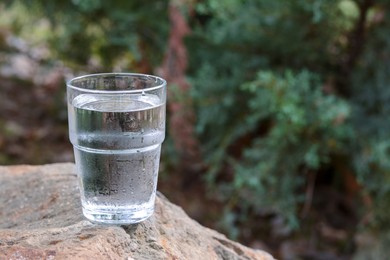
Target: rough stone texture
(40, 218)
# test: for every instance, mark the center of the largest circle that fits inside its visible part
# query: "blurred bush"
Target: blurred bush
(288, 89)
(98, 34)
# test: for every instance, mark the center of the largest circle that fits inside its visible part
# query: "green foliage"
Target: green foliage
(286, 88)
(230, 48)
(101, 32)
(307, 127)
(371, 101)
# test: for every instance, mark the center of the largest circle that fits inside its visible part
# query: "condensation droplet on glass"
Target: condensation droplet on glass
(143, 93)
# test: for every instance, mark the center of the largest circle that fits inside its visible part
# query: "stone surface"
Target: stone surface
(40, 218)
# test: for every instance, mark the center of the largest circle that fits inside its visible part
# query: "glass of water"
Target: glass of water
(116, 126)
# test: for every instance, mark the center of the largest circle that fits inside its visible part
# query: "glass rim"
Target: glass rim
(122, 91)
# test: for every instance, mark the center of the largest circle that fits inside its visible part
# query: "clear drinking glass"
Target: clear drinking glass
(116, 126)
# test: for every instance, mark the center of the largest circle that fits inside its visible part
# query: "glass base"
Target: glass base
(117, 217)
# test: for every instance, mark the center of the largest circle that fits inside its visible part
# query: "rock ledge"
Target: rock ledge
(40, 218)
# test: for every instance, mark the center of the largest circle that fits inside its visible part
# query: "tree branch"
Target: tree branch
(356, 40)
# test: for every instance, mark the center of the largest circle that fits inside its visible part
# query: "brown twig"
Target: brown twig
(309, 193)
